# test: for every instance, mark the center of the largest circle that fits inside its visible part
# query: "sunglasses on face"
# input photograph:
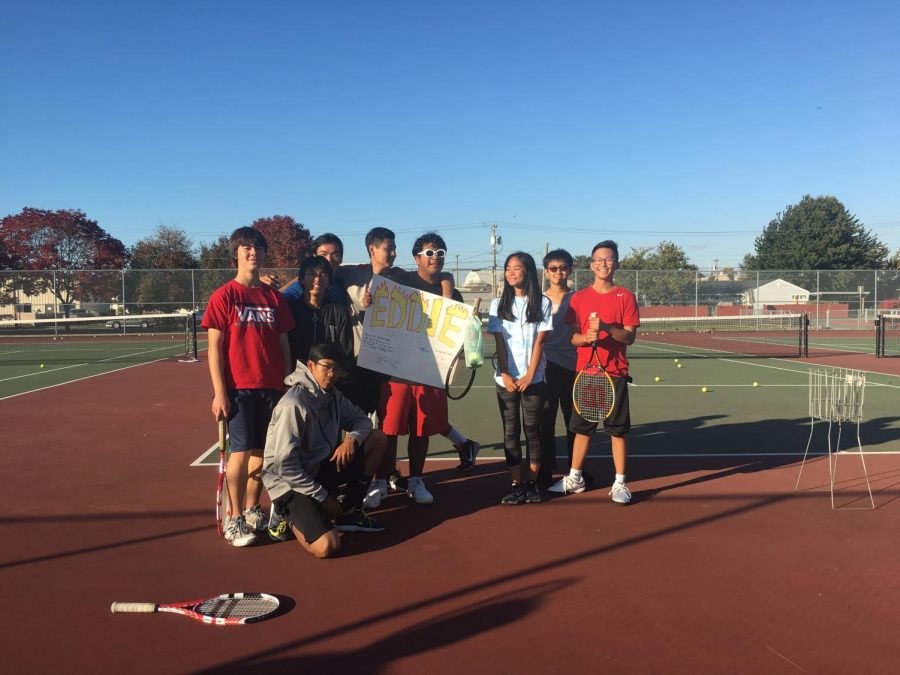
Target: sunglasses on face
(431, 252)
(558, 268)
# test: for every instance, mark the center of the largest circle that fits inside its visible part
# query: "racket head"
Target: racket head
(593, 394)
(459, 378)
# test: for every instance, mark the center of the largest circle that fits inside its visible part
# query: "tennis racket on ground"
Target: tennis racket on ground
(222, 502)
(231, 609)
(461, 375)
(593, 394)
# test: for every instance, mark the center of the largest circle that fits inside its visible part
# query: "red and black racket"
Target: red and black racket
(223, 505)
(593, 394)
(231, 609)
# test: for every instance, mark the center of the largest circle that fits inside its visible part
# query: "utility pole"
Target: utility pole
(456, 276)
(495, 241)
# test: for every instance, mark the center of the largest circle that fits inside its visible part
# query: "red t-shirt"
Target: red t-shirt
(251, 319)
(618, 307)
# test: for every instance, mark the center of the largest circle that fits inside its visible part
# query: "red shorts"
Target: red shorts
(415, 409)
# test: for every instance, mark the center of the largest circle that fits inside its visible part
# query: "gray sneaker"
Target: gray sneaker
(257, 520)
(567, 486)
(237, 533)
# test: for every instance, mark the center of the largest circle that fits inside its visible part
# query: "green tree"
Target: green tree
(216, 267)
(662, 274)
(816, 234)
(160, 274)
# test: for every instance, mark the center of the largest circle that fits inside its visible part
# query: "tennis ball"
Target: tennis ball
(756, 384)
(42, 365)
(656, 379)
(676, 360)
(704, 389)
(678, 366)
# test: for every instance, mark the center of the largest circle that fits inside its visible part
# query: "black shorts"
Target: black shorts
(306, 513)
(249, 417)
(617, 424)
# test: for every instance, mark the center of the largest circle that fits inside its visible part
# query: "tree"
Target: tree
(160, 273)
(289, 241)
(71, 245)
(816, 234)
(666, 278)
(216, 267)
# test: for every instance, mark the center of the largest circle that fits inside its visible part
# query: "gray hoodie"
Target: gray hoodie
(305, 429)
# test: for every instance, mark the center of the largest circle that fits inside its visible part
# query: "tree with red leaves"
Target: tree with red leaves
(68, 243)
(289, 241)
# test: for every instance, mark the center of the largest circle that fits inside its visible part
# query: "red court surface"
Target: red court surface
(717, 567)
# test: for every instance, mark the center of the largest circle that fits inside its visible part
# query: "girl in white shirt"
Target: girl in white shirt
(519, 320)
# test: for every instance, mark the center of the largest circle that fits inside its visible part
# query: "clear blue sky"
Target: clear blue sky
(563, 122)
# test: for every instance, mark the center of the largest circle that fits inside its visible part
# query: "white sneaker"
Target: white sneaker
(377, 492)
(237, 533)
(567, 486)
(619, 493)
(256, 519)
(418, 491)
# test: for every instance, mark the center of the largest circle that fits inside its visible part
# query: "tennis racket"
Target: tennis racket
(231, 609)
(593, 394)
(223, 505)
(460, 377)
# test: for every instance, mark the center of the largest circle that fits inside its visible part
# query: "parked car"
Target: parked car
(125, 321)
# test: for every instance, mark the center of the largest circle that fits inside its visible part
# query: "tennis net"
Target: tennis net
(764, 335)
(105, 339)
(887, 335)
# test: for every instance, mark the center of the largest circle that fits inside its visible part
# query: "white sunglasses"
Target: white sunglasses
(430, 252)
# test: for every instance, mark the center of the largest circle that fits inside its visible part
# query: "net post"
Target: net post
(878, 336)
(194, 335)
(804, 336)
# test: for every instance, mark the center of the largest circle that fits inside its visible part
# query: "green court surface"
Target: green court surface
(50, 365)
(674, 417)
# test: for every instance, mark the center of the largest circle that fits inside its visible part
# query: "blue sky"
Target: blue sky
(564, 123)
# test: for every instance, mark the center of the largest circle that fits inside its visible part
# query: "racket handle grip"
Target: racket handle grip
(133, 607)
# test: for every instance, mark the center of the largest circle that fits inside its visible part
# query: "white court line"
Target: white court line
(81, 379)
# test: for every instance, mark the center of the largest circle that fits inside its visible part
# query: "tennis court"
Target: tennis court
(717, 566)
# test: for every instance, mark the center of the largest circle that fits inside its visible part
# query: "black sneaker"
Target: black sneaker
(532, 493)
(357, 521)
(397, 482)
(516, 494)
(279, 527)
(468, 452)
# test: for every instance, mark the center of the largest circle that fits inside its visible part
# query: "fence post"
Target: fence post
(818, 297)
(124, 306)
(696, 292)
(193, 296)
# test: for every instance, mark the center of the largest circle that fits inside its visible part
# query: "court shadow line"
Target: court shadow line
(449, 628)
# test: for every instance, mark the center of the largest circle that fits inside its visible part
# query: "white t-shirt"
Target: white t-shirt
(520, 336)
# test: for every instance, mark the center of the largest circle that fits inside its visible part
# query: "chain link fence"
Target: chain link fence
(832, 298)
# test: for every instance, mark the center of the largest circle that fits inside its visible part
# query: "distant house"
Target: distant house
(777, 292)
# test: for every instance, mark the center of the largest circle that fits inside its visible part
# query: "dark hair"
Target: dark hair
(246, 236)
(377, 235)
(559, 254)
(610, 244)
(328, 238)
(534, 312)
(328, 350)
(315, 262)
(428, 238)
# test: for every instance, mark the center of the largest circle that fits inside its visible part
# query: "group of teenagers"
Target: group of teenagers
(320, 433)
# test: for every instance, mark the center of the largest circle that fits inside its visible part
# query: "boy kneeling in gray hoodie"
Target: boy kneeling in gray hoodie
(306, 458)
